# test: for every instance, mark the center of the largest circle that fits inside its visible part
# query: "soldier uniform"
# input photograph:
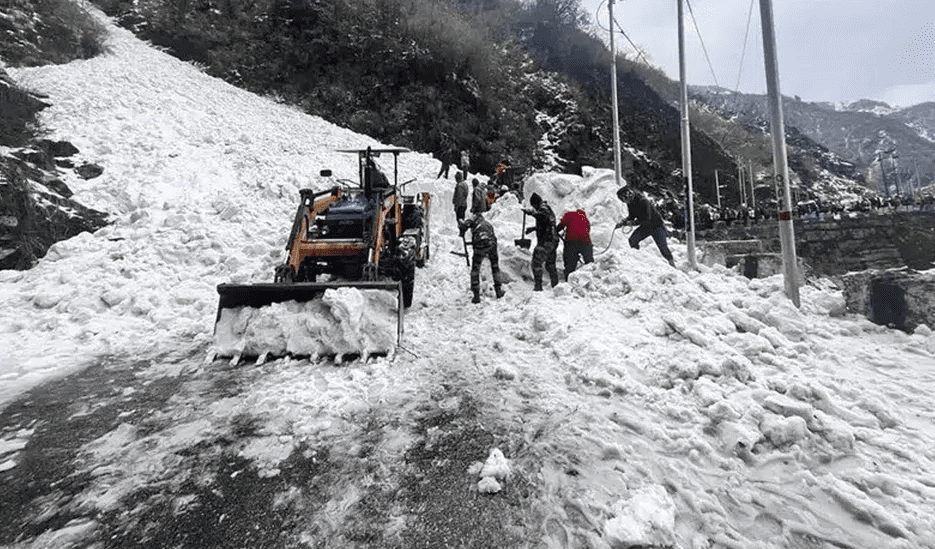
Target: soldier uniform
(543, 255)
(484, 242)
(459, 200)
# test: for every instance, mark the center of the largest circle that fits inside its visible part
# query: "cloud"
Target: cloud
(829, 50)
(906, 95)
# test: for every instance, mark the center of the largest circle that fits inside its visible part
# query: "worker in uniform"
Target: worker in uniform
(648, 220)
(459, 200)
(478, 197)
(543, 255)
(484, 242)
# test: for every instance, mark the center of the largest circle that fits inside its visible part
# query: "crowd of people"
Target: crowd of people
(707, 215)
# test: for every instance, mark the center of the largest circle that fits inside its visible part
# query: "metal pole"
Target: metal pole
(899, 185)
(886, 186)
(743, 195)
(752, 183)
(686, 143)
(717, 185)
(780, 163)
(613, 91)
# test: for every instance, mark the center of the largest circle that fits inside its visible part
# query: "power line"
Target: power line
(598, 22)
(703, 48)
(639, 51)
(743, 52)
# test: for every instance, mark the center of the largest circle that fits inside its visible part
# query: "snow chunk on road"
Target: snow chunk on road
(497, 468)
(646, 519)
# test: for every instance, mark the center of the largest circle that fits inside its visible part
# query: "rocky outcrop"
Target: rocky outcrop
(36, 206)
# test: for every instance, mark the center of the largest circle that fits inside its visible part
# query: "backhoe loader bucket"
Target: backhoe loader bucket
(307, 318)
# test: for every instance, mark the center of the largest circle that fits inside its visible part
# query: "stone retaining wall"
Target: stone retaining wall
(835, 247)
(899, 298)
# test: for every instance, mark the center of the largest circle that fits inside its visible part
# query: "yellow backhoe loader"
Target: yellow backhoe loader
(367, 238)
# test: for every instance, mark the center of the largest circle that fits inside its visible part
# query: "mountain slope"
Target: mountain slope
(864, 133)
(634, 405)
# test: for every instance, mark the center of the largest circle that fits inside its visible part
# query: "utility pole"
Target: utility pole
(613, 91)
(899, 186)
(743, 195)
(717, 185)
(686, 143)
(780, 163)
(752, 183)
(886, 186)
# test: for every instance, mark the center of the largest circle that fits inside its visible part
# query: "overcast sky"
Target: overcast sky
(828, 50)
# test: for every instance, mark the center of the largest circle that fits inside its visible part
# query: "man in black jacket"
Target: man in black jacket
(649, 222)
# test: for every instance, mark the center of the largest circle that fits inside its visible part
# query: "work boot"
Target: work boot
(500, 292)
(538, 286)
(476, 297)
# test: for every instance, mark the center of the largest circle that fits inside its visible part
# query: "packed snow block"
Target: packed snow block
(493, 472)
(789, 407)
(645, 519)
(782, 431)
(345, 321)
(898, 298)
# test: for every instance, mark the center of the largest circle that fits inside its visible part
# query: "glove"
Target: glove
(529, 211)
(530, 229)
(620, 224)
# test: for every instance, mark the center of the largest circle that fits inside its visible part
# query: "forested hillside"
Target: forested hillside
(500, 78)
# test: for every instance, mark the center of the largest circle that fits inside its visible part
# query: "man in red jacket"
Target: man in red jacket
(577, 240)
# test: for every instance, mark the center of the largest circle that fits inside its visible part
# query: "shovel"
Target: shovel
(465, 254)
(523, 243)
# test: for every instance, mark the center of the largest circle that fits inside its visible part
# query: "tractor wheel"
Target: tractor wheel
(284, 275)
(307, 272)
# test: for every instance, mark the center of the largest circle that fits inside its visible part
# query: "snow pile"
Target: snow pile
(645, 519)
(657, 406)
(344, 321)
(492, 472)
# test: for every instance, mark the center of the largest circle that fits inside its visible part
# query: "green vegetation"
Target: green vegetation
(500, 78)
(41, 32)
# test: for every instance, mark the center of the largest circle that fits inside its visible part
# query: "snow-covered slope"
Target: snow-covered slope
(659, 406)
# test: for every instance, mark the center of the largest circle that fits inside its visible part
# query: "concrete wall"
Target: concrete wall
(834, 247)
(896, 298)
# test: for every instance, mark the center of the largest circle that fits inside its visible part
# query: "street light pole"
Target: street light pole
(686, 143)
(717, 185)
(780, 163)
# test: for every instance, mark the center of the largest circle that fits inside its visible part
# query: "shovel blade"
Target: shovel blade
(524, 243)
